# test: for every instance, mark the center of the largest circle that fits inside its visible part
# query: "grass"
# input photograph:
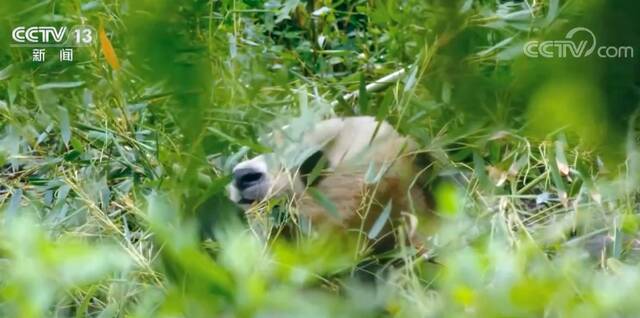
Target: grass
(113, 167)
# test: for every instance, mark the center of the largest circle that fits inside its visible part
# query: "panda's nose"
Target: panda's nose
(246, 178)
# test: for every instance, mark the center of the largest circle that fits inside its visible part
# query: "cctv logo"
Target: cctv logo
(38, 34)
(52, 36)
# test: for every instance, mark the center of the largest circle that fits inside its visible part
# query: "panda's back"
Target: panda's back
(371, 167)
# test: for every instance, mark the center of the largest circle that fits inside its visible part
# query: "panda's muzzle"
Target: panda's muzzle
(246, 178)
(251, 184)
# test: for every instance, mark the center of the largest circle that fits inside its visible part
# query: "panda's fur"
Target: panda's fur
(366, 166)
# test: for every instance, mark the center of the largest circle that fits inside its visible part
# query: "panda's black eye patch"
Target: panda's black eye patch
(311, 168)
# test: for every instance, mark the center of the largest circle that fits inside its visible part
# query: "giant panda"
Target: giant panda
(353, 174)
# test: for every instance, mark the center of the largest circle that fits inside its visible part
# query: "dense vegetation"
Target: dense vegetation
(113, 166)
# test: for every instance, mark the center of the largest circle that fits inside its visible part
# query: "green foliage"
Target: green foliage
(112, 180)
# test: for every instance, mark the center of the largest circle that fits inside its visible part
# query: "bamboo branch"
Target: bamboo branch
(376, 86)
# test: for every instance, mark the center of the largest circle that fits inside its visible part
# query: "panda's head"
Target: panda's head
(339, 144)
(266, 176)
(300, 151)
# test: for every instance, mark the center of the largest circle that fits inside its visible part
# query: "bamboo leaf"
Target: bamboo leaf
(65, 127)
(107, 49)
(55, 85)
(380, 222)
(324, 201)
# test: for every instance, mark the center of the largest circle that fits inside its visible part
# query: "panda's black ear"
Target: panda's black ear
(312, 167)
